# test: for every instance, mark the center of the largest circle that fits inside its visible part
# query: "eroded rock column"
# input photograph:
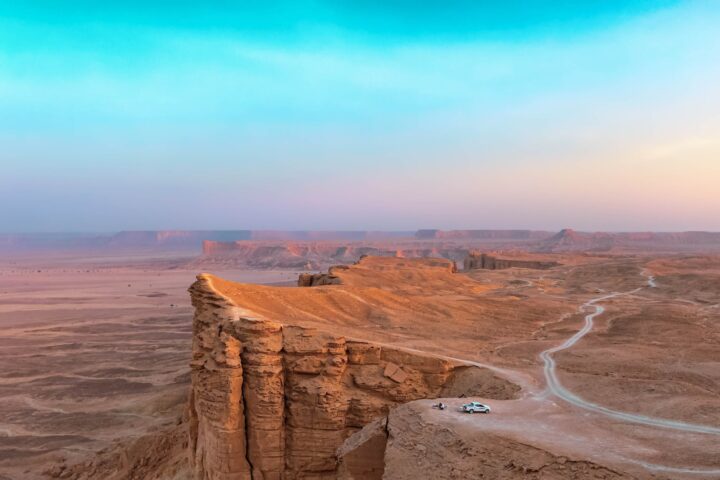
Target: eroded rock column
(316, 399)
(217, 420)
(264, 395)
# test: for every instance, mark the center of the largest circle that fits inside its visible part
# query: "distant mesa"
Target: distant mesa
(481, 234)
(314, 255)
(195, 238)
(571, 240)
(319, 250)
(121, 240)
(326, 235)
(178, 239)
(350, 244)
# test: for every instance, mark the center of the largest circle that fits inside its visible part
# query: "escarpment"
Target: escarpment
(416, 442)
(317, 279)
(319, 254)
(271, 400)
(477, 260)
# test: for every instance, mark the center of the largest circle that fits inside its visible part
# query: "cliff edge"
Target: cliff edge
(273, 400)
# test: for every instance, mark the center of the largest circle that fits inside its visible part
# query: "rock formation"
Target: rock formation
(477, 260)
(317, 279)
(408, 445)
(317, 255)
(568, 240)
(482, 234)
(423, 243)
(272, 401)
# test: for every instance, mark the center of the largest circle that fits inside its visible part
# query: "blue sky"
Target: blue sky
(355, 115)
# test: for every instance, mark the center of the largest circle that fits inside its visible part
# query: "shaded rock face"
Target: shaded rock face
(405, 446)
(318, 254)
(317, 279)
(476, 260)
(362, 456)
(272, 401)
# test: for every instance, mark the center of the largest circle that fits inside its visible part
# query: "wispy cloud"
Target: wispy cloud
(420, 127)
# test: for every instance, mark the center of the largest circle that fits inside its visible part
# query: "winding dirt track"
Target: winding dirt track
(558, 390)
(531, 389)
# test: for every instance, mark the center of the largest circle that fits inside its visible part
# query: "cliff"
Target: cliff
(477, 260)
(482, 234)
(415, 442)
(317, 254)
(271, 400)
(568, 240)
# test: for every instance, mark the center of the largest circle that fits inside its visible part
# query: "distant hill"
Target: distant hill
(571, 240)
(481, 234)
(176, 239)
(528, 240)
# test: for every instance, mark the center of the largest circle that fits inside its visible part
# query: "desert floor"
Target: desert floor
(96, 349)
(93, 349)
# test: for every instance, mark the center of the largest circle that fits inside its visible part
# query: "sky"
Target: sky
(382, 115)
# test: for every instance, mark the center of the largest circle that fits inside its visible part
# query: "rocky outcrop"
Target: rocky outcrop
(482, 234)
(317, 279)
(569, 240)
(273, 401)
(477, 260)
(316, 255)
(407, 445)
(362, 456)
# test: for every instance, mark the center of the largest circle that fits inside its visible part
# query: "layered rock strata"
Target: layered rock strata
(406, 445)
(319, 254)
(272, 401)
(476, 260)
(317, 279)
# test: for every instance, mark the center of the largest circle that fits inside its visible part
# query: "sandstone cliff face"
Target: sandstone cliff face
(273, 401)
(407, 445)
(318, 279)
(476, 260)
(317, 254)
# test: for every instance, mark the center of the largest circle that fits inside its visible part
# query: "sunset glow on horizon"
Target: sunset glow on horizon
(319, 115)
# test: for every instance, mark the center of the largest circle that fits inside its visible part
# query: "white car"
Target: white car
(475, 407)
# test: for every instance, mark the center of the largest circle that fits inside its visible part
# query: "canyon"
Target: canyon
(501, 248)
(306, 403)
(316, 255)
(174, 239)
(274, 401)
(109, 370)
(317, 250)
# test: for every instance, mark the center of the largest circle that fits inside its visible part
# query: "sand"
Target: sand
(94, 349)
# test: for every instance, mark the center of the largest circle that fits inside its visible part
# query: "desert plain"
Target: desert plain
(95, 348)
(597, 363)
